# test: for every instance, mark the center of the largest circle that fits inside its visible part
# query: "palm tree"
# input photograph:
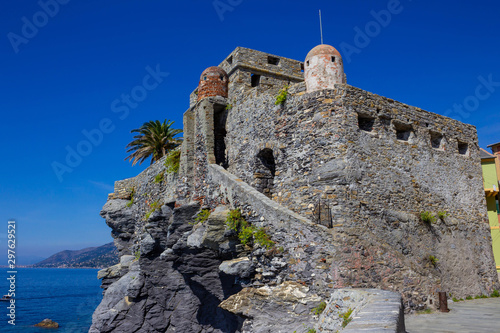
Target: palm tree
(154, 139)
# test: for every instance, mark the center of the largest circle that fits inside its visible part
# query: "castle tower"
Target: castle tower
(323, 68)
(213, 82)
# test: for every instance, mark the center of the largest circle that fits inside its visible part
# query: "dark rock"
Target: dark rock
(148, 244)
(178, 290)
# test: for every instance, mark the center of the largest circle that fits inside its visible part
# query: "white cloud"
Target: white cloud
(104, 186)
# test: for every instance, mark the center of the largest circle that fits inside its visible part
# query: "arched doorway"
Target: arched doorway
(265, 170)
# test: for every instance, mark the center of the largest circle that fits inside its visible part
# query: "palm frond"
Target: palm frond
(153, 139)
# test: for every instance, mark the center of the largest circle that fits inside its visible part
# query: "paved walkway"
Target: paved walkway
(473, 316)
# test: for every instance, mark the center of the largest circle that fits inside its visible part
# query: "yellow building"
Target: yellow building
(491, 176)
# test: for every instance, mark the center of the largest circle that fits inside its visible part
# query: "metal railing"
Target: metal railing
(322, 214)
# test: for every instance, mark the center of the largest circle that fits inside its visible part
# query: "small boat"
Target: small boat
(5, 298)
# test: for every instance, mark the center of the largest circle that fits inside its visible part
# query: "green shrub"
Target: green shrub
(246, 234)
(172, 161)
(346, 317)
(480, 296)
(202, 216)
(495, 293)
(159, 177)
(152, 207)
(263, 239)
(137, 254)
(433, 260)
(427, 217)
(319, 309)
(455, 299)
(311, 330)
(229, 106)
(235, 221)
(442, 215)
(282, 95)
(425, 311)
(132, 193)
(468, 297)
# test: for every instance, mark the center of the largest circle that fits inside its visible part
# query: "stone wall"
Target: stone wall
(377, 164)
(263, 62)
(373, 310)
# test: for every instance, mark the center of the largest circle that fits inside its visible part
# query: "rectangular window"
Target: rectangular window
(437, 141)
(273, 60)
(365, 123)
(463, 148)
(404, 132)
(255, 80)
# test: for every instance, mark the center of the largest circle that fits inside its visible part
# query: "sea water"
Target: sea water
(66, 296)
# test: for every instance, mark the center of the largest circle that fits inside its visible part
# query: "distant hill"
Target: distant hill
(91, 257)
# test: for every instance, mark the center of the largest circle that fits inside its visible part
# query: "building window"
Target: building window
(230, 60)
(273, 60)
(265, 171)
(404, 131)
(333, 59)
(365, 123)
(463, 148)
(255, 80)
(437, 141)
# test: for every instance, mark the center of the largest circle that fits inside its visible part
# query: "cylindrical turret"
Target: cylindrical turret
(213, 82)
(323, 68)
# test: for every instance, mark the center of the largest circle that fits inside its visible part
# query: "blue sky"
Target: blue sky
(67, 72)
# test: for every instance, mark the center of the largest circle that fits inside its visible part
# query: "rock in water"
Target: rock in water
(47, 323)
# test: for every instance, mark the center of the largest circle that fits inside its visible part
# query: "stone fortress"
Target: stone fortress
(336, 175)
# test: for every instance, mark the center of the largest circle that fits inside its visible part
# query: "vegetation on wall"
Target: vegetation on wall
(154, 139)
(282, 95)
(202, 216)
(173, 161)
(247, 233)
(152, 208)
(346, 317)
(159, 177)
(442, 215)
(132, 193)
(427, 217)
(433, 260)
(319, 309)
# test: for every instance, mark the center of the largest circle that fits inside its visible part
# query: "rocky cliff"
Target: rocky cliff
(177, 274)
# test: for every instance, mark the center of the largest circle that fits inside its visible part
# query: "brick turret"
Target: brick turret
(213, 82)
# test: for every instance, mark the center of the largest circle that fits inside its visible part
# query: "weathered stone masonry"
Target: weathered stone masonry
(374, 162)
(367, 163)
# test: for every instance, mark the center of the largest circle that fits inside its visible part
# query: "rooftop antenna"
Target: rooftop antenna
(320, 26)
